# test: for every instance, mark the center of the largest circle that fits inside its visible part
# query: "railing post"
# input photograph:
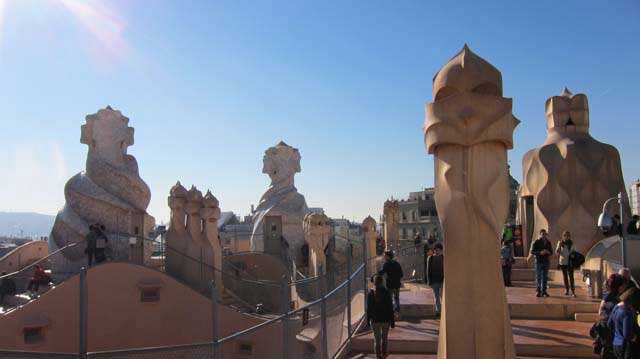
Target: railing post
(82, 328)
(214, 320)
(286, 300)
(323, 321)
(349, 252)
(365, 273)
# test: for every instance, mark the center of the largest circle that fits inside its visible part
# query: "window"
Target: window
(150, 294)
(33, 335)
(404, 233)
(245, 349)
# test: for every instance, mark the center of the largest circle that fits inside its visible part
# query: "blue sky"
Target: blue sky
(209, 85)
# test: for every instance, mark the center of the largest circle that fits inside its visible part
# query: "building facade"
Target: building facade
(419, 216)
(635, 197)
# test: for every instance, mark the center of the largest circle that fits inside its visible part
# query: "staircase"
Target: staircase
(553, 327)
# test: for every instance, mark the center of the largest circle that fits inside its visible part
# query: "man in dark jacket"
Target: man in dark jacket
(541, 249)
(434, 274)
(393, 272)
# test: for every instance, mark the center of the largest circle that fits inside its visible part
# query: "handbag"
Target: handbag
(576, 259)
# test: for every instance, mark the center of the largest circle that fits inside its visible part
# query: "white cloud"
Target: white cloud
(34, 175)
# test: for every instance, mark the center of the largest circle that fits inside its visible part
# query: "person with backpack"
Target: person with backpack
(434, 274)
(564, 248)
(380, 315)
(393, 272)
(603, 343)
(507, 260)
(623, 323)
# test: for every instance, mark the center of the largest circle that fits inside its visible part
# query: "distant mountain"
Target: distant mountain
(25, 224)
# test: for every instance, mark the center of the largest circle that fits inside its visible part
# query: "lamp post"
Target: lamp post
(604, 221)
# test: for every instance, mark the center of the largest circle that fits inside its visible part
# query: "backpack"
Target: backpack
(576, 259)
(603, 340)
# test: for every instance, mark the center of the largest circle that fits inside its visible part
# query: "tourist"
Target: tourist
(616, 225)
(90, 248)
(417, 239)
(541, 249)
(393, 272)
(101, 243)
(603, 344)
(434, 274)
(614, 287)
(632, 228)
(564, 249)
(507, 260)
(380, 315)
(623, 324)
(7, 287)
(40, 277)
(628, 281)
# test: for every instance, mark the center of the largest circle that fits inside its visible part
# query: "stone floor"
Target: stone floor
(543, 327)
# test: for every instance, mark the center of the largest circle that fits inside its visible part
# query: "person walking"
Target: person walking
(434, 275)
(564, 249)
(380, 315)
(623, 324)
(393, 272)
(541, 249)
(507, 261)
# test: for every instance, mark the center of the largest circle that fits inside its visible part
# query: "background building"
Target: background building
(418, 215)
(635, 197)
(514, 188)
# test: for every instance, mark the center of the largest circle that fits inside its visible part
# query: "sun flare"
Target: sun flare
(98, 18)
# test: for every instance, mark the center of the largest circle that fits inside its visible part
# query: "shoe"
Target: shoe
(566, 292)
(538, 294)
(573, 294)
(545, 294)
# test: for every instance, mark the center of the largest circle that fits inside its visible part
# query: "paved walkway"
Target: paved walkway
(520, 293)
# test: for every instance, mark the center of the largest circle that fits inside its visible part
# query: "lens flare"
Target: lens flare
(104, 24)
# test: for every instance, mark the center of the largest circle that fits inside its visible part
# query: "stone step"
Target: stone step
(418, 302)
(587, 317)
(536, 338)
(555, 276)
(523, 275)
(418, 356)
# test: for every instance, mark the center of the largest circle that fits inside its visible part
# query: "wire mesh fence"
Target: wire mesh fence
(316, 324)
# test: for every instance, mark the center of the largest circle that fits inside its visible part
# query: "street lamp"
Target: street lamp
(605, 221)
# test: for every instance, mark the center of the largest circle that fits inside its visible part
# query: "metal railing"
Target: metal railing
(318, 329)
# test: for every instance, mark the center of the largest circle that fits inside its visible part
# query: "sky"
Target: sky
(210, 85)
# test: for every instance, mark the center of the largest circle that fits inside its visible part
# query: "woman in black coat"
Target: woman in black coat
(380, 315)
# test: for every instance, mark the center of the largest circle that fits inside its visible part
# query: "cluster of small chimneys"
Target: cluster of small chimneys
(193, 195)
(196, 207)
